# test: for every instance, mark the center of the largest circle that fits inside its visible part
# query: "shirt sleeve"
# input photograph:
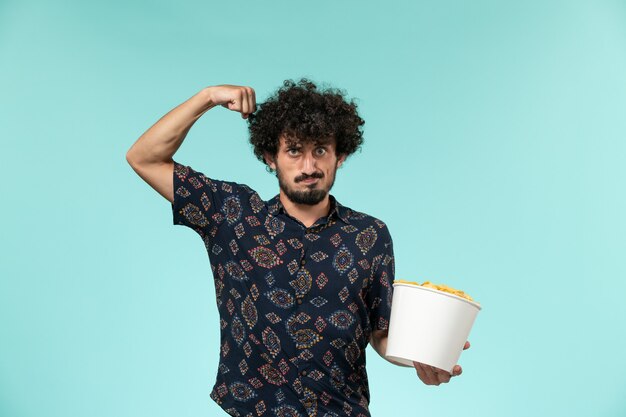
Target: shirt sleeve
(197, 200)
(380, 292)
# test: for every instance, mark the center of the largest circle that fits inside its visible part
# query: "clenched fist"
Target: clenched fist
(234, 97)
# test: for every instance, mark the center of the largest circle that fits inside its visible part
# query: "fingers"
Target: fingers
(420, 372)
(233, 97)
(245, 105)
(248, 102)
(431, 375)
(251, 100)
(442, 376)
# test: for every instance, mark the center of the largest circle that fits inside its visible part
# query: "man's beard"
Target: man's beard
(309, 197)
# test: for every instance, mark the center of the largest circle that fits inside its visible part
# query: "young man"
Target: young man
(303, 283)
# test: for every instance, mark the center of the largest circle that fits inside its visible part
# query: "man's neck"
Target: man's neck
(305, 213)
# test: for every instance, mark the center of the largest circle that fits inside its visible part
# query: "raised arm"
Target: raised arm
(151, 155)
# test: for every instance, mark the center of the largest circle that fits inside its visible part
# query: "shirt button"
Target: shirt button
(303, 262)
(303, 373)
(299, 300)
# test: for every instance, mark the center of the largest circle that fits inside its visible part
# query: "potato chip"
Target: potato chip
(439, 287)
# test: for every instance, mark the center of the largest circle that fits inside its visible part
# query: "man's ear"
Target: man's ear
(269, 160)
(341, 159)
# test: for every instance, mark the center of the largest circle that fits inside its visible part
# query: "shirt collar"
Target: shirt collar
(336, 209)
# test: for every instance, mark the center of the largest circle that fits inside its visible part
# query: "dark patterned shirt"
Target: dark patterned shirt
(297, 304)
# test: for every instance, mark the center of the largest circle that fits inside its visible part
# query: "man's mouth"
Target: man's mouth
(309, 179)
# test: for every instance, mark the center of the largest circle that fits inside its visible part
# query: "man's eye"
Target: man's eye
(293, 151)
(320, 151)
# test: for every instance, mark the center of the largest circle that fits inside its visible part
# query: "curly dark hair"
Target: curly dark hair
(302, 112)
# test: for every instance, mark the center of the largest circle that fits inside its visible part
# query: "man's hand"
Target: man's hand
(435, 376)
(234, 97)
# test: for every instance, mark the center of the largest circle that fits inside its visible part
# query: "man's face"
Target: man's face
(305, 170)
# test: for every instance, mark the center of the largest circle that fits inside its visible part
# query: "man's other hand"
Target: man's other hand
(234, 97)
(435, 376)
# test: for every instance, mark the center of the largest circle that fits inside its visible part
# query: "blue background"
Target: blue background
(494, 150)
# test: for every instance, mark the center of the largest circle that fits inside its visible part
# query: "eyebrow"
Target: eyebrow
(316, 142)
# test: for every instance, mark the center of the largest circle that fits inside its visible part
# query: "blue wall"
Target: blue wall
(494, 151)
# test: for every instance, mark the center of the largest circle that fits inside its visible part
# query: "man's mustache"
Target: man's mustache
(307, 176)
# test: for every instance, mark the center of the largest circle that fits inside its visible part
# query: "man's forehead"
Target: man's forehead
(289, 140)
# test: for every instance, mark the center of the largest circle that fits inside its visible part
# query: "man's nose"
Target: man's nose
(308, 164)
